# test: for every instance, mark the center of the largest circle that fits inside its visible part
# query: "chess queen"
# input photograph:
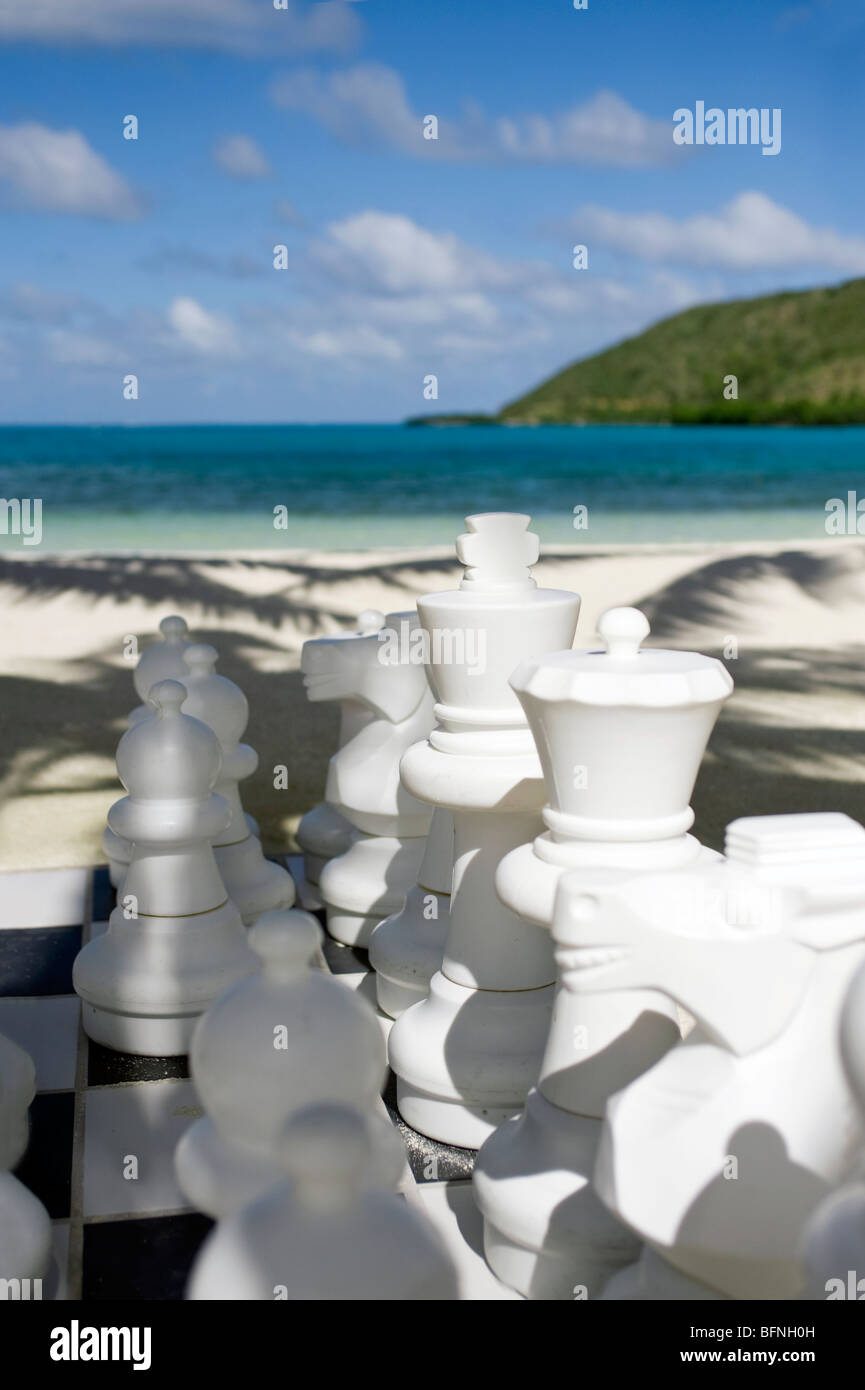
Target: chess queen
(621, 731)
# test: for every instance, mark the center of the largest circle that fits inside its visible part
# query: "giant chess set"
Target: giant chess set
(503, 1030)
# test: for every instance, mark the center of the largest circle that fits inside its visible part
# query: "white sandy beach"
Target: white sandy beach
(792, 737)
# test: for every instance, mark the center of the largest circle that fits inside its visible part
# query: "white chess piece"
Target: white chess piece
(406, 949)
(322, 1234)
(371, 880)
(175, 940)
(324, 833)
(466, 1055)
(25, 1227)
(160, 661)
(254, 884)
(833, 1242)
(718, 1154)
(620, 733)
(274, 1042)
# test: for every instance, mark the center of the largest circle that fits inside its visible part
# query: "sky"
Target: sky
(405, 258)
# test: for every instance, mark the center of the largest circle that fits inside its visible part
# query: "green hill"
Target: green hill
(799, 358)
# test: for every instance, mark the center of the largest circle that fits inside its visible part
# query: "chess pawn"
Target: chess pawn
(274, 1042)
(466, 1055)
(405, 950)
(25, 1227)
(161, 661)
(718, 1155)
(620, 733)
(253, 883)
(383, 672)
(833, 1243)
(324, 833)
(175, 941)
(158, 662)
(323, 1234)
(164, 660)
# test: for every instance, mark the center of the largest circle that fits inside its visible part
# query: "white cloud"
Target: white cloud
(241, 157)
(58, 171)
(354, 341)
(73, 349)
(750, 233)
(389, 252)
(368, 104)
(245, 26)
(210, 334)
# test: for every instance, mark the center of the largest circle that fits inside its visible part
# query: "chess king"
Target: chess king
(718, 1155)
(466, 1055)
(621, 733)
(372, 878)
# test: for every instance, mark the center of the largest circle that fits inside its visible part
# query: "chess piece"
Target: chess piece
(164, 660)
(175, 940)
(254, 884)
(25, 1227)
(833, 1242)
(406, 949)
(620, 733)
(161, 661)
(323, 833)
(718, 1155)
(466, 1055)
(322, 1234)
(274, 1042)
(158, 662)
(381, 672)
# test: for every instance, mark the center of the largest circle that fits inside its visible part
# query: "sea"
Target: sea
(348, 487)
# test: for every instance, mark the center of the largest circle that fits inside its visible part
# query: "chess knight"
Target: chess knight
(718, 1155)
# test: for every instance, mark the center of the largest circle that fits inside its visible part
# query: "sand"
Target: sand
(786, 617)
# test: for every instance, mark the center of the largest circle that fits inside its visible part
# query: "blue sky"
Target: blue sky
(406, 257)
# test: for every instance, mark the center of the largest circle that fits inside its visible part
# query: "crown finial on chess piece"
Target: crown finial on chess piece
(622, 630)
(498, 550)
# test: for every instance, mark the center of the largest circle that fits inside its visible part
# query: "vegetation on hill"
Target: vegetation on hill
(798, 358)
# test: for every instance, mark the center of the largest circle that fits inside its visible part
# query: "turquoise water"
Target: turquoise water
(348, 487)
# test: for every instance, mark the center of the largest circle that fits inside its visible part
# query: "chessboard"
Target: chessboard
(123, 1230)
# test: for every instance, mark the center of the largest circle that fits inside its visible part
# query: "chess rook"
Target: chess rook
(378, 671)
(175, 940)
(718, 1155)
(620, 733)
(466, 1055)
(323, 833)
(254, 884)
(272, 1043)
